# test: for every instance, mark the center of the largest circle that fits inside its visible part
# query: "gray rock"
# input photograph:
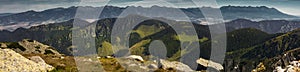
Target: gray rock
(14, 62)
(178, 66)
(153, 66)
(135, 57)
(209, 63)
(2, 45)
(35, 47)
(135, 63)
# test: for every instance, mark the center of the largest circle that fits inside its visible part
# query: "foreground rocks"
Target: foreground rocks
(136, 63)
(39, 56)
(178, 66)
(27, 46)
(10, 61)
(209, 63)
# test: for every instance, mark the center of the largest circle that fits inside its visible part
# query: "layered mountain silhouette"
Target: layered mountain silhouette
(248, 12)
(34, 18)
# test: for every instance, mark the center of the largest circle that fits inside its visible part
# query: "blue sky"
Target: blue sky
(13, 6)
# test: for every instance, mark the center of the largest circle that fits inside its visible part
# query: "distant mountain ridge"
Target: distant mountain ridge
(5, 14)
(269, 26)
(33, 18)
(249, 12)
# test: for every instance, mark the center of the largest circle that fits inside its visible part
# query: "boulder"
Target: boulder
(178, 66)
(209, 63)
(153, 66)
(136, 63)
(3, 45)
(135, 57)
(11, 61)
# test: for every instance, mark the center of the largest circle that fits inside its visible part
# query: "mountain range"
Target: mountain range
(247, 44)
(33, 18)
(62, 31)
(269, 26)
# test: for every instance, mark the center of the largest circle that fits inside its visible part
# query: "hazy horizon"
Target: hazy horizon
(16, 6)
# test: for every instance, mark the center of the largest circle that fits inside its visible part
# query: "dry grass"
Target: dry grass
(111, 65)
(66, 64)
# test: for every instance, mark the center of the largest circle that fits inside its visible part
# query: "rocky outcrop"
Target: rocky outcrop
(27, 46)
(135, 63)
(11, 61)
(289, 68)
(2, 45)
(36, 47)
(289, 61)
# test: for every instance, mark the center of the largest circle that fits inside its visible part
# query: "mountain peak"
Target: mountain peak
(250, 9)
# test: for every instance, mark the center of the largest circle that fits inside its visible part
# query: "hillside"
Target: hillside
(243, 44)
(246, 58)
(247, 37)
(59, 35)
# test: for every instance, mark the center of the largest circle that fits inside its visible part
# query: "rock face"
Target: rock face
(178, 66)
(36, 47)
(289, 68)
(288, 62)
(11, 61)
(27, 46)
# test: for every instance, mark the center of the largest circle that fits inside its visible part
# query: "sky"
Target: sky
(14, 6)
